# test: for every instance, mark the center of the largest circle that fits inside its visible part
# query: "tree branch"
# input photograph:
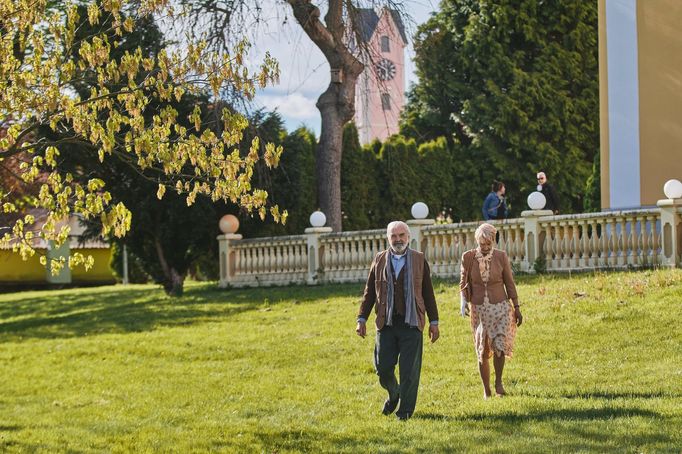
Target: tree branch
(308, 16)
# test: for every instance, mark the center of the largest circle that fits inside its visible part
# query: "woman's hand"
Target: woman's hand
(463, 306)
(517, 316)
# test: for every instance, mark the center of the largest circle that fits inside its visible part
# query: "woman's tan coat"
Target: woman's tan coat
(500, 284)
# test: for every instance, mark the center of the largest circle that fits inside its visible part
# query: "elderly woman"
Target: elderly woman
(487, 286)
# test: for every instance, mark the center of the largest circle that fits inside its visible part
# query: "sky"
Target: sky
(304, 73)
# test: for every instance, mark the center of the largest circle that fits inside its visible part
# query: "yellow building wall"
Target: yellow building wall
(100, 272)
(659, 40)
(15, 270)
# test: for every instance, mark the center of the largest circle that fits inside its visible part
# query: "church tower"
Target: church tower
(380, 90)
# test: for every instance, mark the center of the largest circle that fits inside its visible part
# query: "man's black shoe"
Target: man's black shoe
(390, 405)
(404, 416)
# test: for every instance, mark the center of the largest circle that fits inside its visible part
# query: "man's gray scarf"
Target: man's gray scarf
(410, 301)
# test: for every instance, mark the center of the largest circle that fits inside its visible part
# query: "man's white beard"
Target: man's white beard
(399, 249)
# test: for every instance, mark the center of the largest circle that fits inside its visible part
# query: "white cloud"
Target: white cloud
(294, 106)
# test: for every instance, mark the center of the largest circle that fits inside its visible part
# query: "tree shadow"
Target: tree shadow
(582, 425)
(613, 395)
(291, 440)
(64, 314)
(588, 414)
(601, 394)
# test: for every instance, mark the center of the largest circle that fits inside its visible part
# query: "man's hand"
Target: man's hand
(518, 316)
(361, 329)
(434, 333)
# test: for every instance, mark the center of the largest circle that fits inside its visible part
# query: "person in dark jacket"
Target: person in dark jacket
(494, 206)
(549, 192)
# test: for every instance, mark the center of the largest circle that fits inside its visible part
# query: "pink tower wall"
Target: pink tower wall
(372, 121)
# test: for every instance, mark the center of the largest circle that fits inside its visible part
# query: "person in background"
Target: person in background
(487, 290)
(494, 206)
(549, 192)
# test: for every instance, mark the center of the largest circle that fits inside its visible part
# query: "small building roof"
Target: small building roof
(77, 239)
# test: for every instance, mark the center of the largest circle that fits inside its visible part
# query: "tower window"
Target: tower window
(385, 44)
(385, 101)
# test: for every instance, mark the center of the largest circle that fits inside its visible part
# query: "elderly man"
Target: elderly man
(399, 287)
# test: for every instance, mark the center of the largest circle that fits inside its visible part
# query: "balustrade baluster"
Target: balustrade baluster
(613, 242)
(549, 246)
(584, 245)
(631, 243)
(575, 246)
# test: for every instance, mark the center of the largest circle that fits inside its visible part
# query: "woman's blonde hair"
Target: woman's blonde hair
(486, 231)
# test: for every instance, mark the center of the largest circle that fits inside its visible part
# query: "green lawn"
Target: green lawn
(598, 367)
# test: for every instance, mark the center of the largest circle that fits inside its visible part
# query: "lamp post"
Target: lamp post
(315, 253)
(671, 224)
(228, 224)
(419, 212)
(531, 229)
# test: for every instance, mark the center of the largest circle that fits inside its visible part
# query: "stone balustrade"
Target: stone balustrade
(580, 242)
(346, 256)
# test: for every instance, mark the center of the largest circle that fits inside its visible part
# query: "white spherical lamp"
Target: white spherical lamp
(539, 187)
(318, 219)
(229, 224)
(673, 189)
(420, 210)
(536, 200)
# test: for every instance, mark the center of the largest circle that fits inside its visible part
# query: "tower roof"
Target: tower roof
(369, 20)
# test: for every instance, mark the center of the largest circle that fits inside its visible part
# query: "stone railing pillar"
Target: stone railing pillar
(416, 237)
(671, 232)
(315, 265)
(532, 232)
(226, 257)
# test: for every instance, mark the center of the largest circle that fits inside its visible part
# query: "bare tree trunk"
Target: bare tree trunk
(336, 104)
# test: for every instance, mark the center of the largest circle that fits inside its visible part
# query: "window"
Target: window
(386, 101)
(385, 45)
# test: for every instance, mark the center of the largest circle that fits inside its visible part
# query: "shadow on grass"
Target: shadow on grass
(612, 395)
(588, 428)
(119, 309)
(589, 414)
(606, 395)
(307, 441)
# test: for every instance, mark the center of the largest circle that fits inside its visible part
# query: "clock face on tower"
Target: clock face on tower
(386, 69)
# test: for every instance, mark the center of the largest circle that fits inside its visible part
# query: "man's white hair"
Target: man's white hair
(394, 224)
(541, 174)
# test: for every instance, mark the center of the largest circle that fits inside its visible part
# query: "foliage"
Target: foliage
(295, 177)
(359, 183)
(44, 56)
(592, 202)
(281, 370)
(435, 176)
(540, 264)
(168, 236)
(136, 272)
(290, 186)
(515, 81)
(398, 177)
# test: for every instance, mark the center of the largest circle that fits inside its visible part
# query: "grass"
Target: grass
(598, 367)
